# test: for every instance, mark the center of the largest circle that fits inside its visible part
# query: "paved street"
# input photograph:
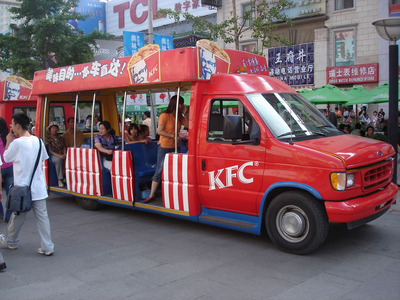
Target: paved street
(118, 254)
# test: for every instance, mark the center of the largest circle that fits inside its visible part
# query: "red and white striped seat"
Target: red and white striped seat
(83, 171)
(122, 176)
(175, 182)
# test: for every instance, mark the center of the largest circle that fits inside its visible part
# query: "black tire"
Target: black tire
(88, 204)
(296, 222)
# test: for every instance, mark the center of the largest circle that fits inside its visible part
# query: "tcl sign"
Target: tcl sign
(137, 16)
(132, 15)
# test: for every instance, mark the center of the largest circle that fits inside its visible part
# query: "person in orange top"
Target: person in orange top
(166, 144)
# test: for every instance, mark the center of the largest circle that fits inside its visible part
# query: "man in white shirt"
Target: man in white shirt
(23, 153)
(2, 262)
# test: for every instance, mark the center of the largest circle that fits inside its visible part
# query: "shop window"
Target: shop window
(247, 8)
(344, 4)
(248, 47)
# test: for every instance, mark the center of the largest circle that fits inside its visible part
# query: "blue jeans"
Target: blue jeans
(8, 179)
(160, 162)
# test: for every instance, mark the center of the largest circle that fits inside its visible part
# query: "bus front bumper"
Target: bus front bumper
(358, 211)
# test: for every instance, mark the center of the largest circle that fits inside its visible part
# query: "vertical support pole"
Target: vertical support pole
(393, 101)
(92, 121)
(123, 120)
(75, 117)
(176, 119)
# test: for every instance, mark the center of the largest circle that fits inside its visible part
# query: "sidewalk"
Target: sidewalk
(116, 253)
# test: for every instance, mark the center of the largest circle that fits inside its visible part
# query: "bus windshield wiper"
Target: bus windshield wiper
(291, 132)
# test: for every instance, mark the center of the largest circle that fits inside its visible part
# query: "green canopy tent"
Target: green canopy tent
(327, 94)
(379, 94)
(360, 95)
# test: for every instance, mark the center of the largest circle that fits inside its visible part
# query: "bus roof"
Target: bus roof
(148, 67)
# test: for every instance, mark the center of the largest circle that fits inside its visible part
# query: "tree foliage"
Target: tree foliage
(44, 36)
(261, 20)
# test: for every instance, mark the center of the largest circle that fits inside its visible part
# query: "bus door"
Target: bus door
(230, 167)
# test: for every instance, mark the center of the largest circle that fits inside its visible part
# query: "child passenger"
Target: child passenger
(144, 133)
(133, 135)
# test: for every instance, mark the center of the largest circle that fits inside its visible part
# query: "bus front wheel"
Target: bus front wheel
(296, 222)
(88, 204)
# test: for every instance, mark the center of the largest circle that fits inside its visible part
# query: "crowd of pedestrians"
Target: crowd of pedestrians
(360, 124)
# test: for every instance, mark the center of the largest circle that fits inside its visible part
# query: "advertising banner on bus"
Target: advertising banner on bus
(148, 66)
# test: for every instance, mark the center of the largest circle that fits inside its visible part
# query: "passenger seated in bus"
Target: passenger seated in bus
(144, 133)
(106, 143)
(133, 135)
(57, 150)
(68, 135)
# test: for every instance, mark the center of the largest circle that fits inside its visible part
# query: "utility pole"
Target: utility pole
(150, 22)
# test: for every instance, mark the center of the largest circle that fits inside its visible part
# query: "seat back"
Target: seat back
(144, 158)
(122, 176)
(83, 171)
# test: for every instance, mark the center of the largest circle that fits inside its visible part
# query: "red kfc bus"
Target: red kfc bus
(15, 97)
(260, 157)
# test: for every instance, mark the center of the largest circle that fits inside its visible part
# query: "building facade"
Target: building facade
(344, 47)
(5, 15)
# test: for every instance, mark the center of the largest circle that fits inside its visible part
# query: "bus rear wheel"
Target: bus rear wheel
(88, 204)
(296, 222)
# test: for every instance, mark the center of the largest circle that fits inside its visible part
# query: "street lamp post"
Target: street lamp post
(389, 29)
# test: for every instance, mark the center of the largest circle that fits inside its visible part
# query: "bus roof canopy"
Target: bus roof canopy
(148, 69)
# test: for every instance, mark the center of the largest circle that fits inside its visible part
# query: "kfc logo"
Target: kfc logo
(230, 173)
(144, 65)
(212, 59)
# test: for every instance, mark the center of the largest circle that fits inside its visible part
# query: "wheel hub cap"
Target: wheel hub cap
(293, 224)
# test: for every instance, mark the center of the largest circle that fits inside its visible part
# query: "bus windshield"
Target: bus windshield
(290, 116)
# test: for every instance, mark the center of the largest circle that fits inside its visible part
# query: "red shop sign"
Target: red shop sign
(352, 74)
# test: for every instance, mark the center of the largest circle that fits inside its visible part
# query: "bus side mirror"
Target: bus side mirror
(232, 127)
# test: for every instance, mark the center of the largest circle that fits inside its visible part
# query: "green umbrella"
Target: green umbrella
(360, 94)
(380, 94)
(327, 94)
(304, 93)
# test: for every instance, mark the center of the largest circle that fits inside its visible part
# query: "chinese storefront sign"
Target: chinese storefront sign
(293, 65)
(352, 74)
(344, 48)
(303, 8)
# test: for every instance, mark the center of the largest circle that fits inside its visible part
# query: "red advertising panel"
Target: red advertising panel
(144, 66)
(16, 88)
(148, 66)
(354, 74)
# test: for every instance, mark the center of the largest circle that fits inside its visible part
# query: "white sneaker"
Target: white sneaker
(47, 253)
(3, 242)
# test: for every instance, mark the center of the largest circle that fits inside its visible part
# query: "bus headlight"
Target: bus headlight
(340, 181)
(350, 180)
